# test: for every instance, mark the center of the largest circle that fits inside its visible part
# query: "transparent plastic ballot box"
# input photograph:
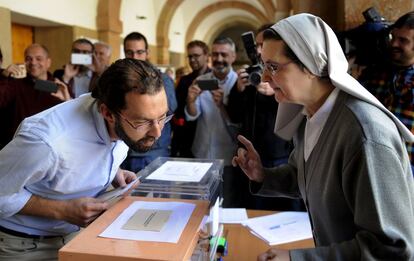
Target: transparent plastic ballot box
(207, 188)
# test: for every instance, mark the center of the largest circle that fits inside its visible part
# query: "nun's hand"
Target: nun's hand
(249, 160)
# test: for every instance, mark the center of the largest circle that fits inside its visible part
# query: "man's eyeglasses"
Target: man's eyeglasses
(132, 52)
(195, 56)
(146, 125)
(222, 54)
(274, 67)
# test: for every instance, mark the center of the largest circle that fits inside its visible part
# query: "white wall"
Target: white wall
(151, 9)
(74, 12)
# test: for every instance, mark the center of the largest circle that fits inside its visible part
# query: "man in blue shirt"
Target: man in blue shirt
(136, 47)
(63, 157)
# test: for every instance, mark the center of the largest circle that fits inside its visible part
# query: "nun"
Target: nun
(349, 164)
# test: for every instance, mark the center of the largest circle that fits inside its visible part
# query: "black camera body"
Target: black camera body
(368, 41)
(255, 70)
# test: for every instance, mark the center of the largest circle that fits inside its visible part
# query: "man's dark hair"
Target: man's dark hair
(83, 41)
(270, 34)
(135, 36)
(124, 76)
(406, 20)
(198, 43)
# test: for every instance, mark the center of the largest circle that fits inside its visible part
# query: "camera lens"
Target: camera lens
(255, 78)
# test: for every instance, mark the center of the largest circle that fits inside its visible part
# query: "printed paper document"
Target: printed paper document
(181, 171)
(151, 221)
(281, 228)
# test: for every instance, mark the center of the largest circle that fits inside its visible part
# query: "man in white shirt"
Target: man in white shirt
(63, 157)
(213, 138)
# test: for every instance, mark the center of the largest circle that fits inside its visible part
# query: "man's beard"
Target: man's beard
(137, 146)
(221, 67)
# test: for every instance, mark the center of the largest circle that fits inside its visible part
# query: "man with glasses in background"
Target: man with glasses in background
(213, 138)
(78, 75)
(183, 130)
(60, 160)
(136, 47)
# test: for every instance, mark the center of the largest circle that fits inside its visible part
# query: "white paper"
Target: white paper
(171, 232)
(181, 171)
(111, 194)
(233, 215)
(281, 228)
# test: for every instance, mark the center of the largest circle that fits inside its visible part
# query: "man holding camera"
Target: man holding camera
(197, 53)
(213, 138)
(252, 105)
(23, 97)
(392, 81)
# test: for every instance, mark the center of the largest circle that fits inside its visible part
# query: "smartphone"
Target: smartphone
(45, 86)
(80, 58)
(208, 85)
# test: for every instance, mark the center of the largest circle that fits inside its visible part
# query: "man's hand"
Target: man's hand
(63, 92)
(242, 80)
(193, 92)
(218, 96)
(12, 70)
(274, 255)
(80, 211)
(83, 211)
(249, 160)
(124, 177)
(69, 72)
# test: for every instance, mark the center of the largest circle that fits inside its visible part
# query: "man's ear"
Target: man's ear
(106, 113)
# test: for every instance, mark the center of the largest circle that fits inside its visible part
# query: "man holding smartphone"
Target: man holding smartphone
(20, 99)
(213, 139)
(197, 54)
(77, 74)
(61, 160)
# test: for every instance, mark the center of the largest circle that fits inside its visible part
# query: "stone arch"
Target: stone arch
(217, 28)
(163, 25)
(269, 7)
(208, 10)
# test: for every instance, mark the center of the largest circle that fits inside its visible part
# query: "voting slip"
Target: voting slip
(116, 194)
(151, 221)
(148, 220)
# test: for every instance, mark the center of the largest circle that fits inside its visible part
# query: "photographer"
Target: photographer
(392, 81)
(255, 109)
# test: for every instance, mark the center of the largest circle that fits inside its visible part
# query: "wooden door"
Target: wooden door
(22, 37)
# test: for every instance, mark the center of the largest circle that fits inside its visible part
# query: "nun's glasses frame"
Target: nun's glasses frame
(274, 67)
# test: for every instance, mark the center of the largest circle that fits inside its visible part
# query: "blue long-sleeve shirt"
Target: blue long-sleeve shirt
(62, 153)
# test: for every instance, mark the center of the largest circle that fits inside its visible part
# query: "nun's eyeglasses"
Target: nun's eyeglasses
(274, 67)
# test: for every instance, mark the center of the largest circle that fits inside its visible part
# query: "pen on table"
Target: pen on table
(281, 225)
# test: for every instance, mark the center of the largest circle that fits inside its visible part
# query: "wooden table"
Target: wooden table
(87, 246)
(243, 245)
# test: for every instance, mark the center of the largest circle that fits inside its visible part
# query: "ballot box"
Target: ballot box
(89, 246)
(182, 178)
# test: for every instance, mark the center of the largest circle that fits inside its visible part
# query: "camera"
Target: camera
(255, 70)
(368, 41)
